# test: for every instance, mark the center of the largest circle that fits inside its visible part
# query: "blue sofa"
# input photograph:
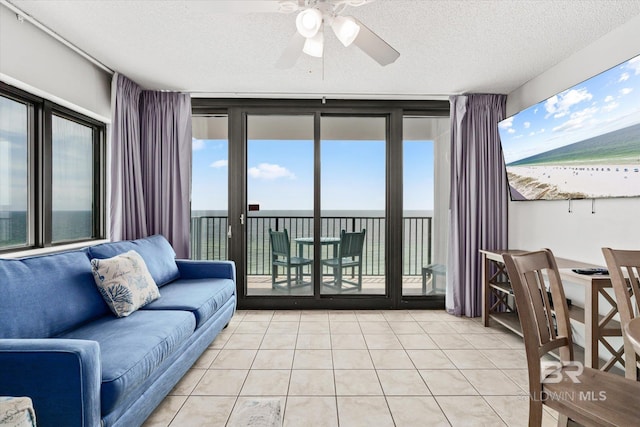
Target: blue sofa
(61, 346)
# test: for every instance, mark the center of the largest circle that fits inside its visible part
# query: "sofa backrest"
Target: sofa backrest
(44, 296)
(155, 250)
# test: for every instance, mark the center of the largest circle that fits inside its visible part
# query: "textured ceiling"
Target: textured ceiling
(447, 47)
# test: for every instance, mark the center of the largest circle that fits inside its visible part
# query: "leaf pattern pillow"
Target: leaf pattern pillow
(124, 282)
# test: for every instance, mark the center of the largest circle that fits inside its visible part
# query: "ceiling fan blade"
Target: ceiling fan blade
(374, 46)
(292, 51)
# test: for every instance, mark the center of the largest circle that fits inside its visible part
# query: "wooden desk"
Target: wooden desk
(597, 328)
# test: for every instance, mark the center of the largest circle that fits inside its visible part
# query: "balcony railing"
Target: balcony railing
(209, 240)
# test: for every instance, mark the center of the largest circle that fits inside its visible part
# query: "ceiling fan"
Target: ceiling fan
(315, 15)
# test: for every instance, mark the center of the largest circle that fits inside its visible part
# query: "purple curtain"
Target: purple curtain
(128, 217)
(165, 122)
(479, 197)
(151, 165)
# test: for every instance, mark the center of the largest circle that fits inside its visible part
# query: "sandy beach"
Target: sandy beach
(575, 181)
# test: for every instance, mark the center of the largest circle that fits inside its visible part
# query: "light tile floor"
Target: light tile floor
(357, 368)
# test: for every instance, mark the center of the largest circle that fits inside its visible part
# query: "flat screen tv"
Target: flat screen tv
(581, 143)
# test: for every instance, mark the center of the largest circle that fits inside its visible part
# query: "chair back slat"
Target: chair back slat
(624, 271)
(280, 245)
(351, 243)
(633, 273)
(535, 289)
(527, 274)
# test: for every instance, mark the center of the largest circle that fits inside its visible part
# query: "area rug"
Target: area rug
(257, 413)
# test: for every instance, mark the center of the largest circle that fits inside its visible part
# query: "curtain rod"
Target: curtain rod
(25, 16)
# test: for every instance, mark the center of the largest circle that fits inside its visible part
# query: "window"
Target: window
(14, 163)
(72, 180)
(51, 173)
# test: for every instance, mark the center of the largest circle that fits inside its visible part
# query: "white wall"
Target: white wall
(580, 234)
(39, 64)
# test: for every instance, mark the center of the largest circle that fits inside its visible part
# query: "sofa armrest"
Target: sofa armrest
(195, 269)
(61, 376)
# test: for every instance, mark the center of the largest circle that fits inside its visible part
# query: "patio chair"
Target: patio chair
(588, 396)
(349, 255)
(626, 289)
(281, 257)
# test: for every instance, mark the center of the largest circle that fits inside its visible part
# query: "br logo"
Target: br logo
(551, 372)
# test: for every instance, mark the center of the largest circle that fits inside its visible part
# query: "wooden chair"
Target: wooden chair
(587, 396)
(281, 257)
(619, 262)
(349, 255)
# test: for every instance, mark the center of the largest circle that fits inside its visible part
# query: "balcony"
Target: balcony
(209, 241)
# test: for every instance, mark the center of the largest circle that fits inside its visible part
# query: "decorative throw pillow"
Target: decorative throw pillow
(124, 282)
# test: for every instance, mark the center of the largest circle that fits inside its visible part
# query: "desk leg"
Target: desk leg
(591, 335)
(485, 290)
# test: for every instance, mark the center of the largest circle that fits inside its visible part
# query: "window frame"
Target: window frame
(40, 159)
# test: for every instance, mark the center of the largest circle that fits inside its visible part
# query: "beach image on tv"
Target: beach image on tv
(581, 143)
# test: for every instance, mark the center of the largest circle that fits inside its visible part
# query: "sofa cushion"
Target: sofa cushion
(132, 347)
(124, 282)
(203, 297)
(155, 250)
(47, 295)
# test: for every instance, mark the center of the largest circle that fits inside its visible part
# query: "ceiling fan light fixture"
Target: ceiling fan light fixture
(308, 22)
(314, 46)
(346, 29)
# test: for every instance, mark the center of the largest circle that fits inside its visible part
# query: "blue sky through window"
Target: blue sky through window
(280, 175)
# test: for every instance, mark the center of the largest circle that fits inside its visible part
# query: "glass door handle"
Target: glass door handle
(229, 232)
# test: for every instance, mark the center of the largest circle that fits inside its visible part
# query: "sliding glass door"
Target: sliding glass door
(328, 206)
(279, 219)
(353, 195)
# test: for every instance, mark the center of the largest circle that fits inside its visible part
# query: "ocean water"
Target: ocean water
(66, 225)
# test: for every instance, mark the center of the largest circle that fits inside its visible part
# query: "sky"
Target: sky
(280, 175)
(72, 165)
(601, 104)
(280, 172)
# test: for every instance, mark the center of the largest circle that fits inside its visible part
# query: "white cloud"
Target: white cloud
(270, 171)
(197, 144)
(561, 104)
(609, 98)
(219, 164)
(527, 125)
(623, 77)
(535, 111)
(511, 130)
(626, 91)
(576, 120)
(506, 123)
(610, 106)
(634, 64)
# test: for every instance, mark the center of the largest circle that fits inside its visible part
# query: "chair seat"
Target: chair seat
(346, 262)
(294, 262)
(599, 397)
